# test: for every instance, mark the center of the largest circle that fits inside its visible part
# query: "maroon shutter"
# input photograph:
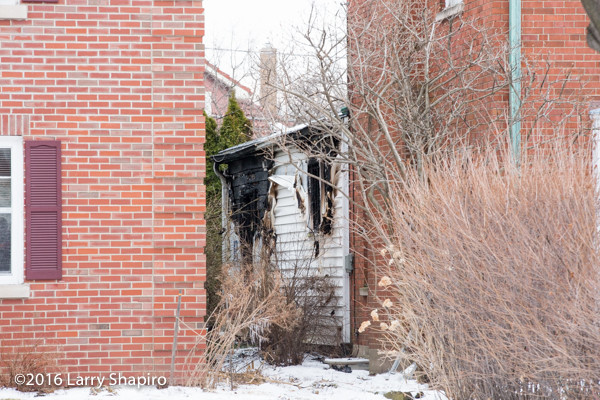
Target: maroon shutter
(43, 202)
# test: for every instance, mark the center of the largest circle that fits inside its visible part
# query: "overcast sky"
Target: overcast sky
(236, 27)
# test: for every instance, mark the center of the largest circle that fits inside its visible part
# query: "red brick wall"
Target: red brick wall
(553, 37)
(556, 31)
(120, 84)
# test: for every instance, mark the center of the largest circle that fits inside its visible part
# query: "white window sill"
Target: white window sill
(14, 291)
(15, 11)
(449, 12)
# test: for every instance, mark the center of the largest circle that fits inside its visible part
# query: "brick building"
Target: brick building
(102, 197)
(261, 109)
(219, 86)
(552, 47)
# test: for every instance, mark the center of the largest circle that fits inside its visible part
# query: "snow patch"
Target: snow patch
(310, 380)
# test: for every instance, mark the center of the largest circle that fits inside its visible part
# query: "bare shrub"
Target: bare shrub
(34, 360)
(493, 282)
(251, 303)
(266, 300)
(311, 295)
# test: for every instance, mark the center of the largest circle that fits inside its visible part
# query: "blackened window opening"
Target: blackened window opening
(249, 193)
(320, 194)
(327, 217)
(314, 192)
(248, 219)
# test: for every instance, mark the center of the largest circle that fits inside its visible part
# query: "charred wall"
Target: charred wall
(248, 180)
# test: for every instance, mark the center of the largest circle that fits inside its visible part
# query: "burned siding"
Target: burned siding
(248, 185)
(286, 206)
(320, 195)
(298, 242)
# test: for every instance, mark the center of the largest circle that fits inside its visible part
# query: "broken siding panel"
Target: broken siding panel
(286, 201)
(287, 205)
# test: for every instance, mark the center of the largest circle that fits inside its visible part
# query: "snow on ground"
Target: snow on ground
(311, 380)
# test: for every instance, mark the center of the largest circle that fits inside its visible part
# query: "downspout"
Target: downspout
(514, 36)
(224, 208)
(595, 116)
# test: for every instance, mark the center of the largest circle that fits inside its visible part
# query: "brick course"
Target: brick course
(120, 84)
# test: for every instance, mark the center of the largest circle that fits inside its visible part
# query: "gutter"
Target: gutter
(224, 204)
(514, 36)
(595, 116)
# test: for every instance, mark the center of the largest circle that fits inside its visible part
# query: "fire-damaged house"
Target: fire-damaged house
(277, 197)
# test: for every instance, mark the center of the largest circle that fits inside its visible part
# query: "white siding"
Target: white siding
(295, 241)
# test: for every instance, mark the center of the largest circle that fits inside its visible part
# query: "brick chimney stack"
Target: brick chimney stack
(268, 77)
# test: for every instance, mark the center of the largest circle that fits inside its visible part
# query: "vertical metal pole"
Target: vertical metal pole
(226, 247)
(595, 115)
(174, 350)
(514, 35)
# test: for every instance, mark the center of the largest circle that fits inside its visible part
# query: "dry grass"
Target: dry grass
(250, 305)
(33, 360)
(279, 313)
(495, 287)
(312, 296)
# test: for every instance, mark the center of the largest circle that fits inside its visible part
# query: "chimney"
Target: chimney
(268, 77)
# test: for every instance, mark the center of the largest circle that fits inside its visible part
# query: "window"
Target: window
(314, 193)
(11, 210)
(42, 165)
(320, 195)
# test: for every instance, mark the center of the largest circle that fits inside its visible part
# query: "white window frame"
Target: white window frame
(12, 9)
(16, 276)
